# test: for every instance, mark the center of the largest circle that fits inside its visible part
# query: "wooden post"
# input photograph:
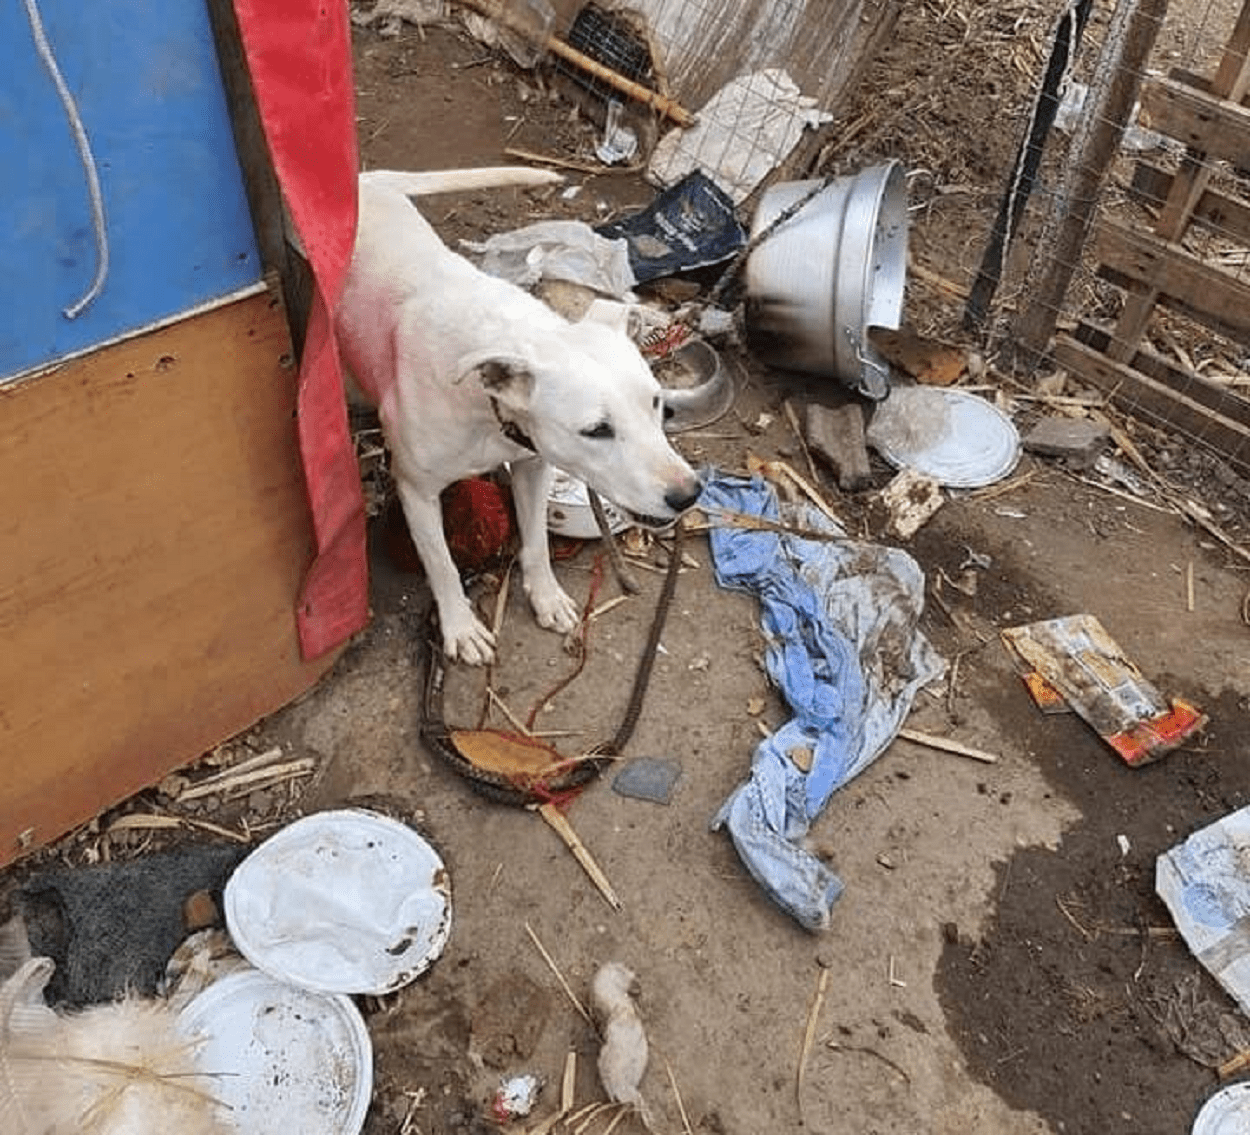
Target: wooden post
(1129, 40)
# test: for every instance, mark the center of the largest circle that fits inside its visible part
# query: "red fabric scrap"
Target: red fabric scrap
(299, 56)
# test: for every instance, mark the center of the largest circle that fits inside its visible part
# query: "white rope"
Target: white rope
(88, 161)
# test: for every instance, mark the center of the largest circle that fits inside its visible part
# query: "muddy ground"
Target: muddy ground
(998, 962)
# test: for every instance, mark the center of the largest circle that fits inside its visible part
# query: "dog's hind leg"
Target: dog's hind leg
(531, 484)
(464, 636)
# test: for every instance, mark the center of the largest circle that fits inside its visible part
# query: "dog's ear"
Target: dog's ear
(507, 378)
(504, 375)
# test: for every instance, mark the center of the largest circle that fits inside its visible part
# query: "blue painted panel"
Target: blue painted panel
(144, 74)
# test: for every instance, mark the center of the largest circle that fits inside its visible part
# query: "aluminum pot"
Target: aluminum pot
(834, 269)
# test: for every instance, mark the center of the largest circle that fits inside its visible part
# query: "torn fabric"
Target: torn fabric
(843, 647)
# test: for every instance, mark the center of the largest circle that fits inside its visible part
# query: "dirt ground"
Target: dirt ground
(999, 961)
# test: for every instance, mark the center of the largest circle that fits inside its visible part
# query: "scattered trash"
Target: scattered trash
(111, 927)
(619, 143)
(558, 250)
(743, 133)
(389, 16)
(203, 957)
(280, 1057)
(1225, 1113)
(911, 499)
(836, 433)
(1205, 884)
(623, 1055)
(960, 440)
(648, 778)
(840, 618)
(569, 513)
(828, 274)
(929, 361)
(1085, 667)
(1117, 473)
(715, 323)
(1076, 440)
(341, 902)
(104, 1069)
(691, 225)
(515, 1097)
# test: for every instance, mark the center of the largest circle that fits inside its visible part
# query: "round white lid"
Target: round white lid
(341, 902)
(281, 1058)
(954, 437)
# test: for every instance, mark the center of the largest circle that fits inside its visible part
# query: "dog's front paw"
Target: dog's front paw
(466, 639)
(553, 608)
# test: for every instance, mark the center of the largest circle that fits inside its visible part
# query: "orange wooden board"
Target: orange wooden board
(153, 535)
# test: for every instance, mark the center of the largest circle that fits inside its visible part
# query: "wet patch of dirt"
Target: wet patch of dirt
(1080, 967)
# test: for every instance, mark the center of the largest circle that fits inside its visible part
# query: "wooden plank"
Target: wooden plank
(1154, 402)
(1231, 81)
(1226, 216)
(1216, 127)
(1218, 399)
(154, 532)
(1211, 295)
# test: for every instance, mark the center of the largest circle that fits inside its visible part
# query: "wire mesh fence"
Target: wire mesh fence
(1078, 170)
(1139, 270)
(1080, 187)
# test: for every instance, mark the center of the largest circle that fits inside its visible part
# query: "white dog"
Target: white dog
(469, 372)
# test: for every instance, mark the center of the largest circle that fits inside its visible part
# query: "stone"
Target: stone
(837, 434)
(1076, 440)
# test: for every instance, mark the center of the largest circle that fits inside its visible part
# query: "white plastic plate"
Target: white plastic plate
(956, 438)
(1225, 1113)
(281, 1058)
(569, 513)
(341, 902)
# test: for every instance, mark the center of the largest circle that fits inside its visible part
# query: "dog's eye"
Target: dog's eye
(599, 431)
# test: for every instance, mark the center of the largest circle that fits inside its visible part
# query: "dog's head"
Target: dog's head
(589, 404)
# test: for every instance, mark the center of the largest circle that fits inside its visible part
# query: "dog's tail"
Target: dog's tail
(457, 180)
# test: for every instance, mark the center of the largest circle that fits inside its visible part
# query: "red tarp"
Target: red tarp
(299, 56)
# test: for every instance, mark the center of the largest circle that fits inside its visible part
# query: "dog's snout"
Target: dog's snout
(682, 498)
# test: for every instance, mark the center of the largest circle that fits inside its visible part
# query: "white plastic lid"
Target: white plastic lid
(954, 437)
(341, 902)
(1226, 1113)
(281, 1058)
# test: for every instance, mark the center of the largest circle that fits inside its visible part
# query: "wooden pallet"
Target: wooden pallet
(1157, 271)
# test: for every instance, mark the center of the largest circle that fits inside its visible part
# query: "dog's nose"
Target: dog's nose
(681, 499)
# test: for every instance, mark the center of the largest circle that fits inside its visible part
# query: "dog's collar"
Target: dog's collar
(511, 430)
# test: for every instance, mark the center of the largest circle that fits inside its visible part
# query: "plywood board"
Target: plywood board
(153, 535)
